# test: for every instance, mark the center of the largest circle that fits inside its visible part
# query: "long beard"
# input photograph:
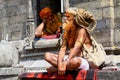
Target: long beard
(70, 35)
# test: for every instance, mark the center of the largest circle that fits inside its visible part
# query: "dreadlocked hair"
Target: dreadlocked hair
(85, 19)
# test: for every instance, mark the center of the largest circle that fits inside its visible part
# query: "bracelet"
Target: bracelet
(67, 59)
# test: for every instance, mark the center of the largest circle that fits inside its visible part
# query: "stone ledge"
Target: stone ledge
(10, 71)
(108, 75)
(46, 43)
(12, 77)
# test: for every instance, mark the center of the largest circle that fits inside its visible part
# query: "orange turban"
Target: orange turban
(45, 13)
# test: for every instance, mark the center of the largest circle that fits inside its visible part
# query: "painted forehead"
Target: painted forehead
(71, 11)
(67, 14)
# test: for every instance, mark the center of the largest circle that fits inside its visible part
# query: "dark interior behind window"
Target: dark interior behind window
(55, 5)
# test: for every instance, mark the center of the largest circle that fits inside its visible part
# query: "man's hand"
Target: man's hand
(62, 68)
(44, 21)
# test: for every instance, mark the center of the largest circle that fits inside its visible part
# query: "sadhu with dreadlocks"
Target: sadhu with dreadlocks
(50, 23)
(77, 25)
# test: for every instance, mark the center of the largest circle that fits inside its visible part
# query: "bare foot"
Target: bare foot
(52, 69)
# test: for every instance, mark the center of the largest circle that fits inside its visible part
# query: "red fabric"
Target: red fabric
(70, 75)
(81, 75)
(50, 37)
(30, 75)
(95, 74)
(54, 36)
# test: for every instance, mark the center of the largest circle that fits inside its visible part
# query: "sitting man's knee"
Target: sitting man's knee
(75, 63)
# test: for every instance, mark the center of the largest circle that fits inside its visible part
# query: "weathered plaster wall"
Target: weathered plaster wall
(117, 21)
(107, 15)
(13, 17)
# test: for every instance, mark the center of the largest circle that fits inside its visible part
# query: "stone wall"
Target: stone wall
(107, 15)
(13, 17)
(14, 13)
(117, 21)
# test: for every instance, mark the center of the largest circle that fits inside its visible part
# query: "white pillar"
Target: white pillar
(30, 11)
(112, 24)
(62, 3)
(31, 24)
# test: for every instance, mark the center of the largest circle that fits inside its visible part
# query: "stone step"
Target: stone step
(10, 73)
(36, 66)
(108, 75)
(37, 53)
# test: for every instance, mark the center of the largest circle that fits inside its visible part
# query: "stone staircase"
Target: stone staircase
(107, 73)
(31, 60)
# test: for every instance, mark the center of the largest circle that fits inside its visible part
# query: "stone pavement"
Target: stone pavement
(11, 73)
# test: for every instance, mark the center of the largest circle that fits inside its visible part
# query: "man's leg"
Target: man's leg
(52, 59)
(77, 63)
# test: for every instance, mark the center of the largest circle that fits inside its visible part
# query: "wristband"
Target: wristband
(67, 59)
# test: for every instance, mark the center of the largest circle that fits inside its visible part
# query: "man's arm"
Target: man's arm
(61, 64)
(38, 30)
(62, 52)
(78, 44)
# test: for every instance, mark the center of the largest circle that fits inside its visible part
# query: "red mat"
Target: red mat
(69, 75)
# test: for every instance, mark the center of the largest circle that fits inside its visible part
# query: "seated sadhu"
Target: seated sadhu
(50, 23)
(78, 23)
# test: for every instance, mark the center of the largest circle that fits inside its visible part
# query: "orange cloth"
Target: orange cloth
(52, 27)
(45, 13)
(52, 23)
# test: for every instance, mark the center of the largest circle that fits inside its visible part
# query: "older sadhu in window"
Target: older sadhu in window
(50, 24)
